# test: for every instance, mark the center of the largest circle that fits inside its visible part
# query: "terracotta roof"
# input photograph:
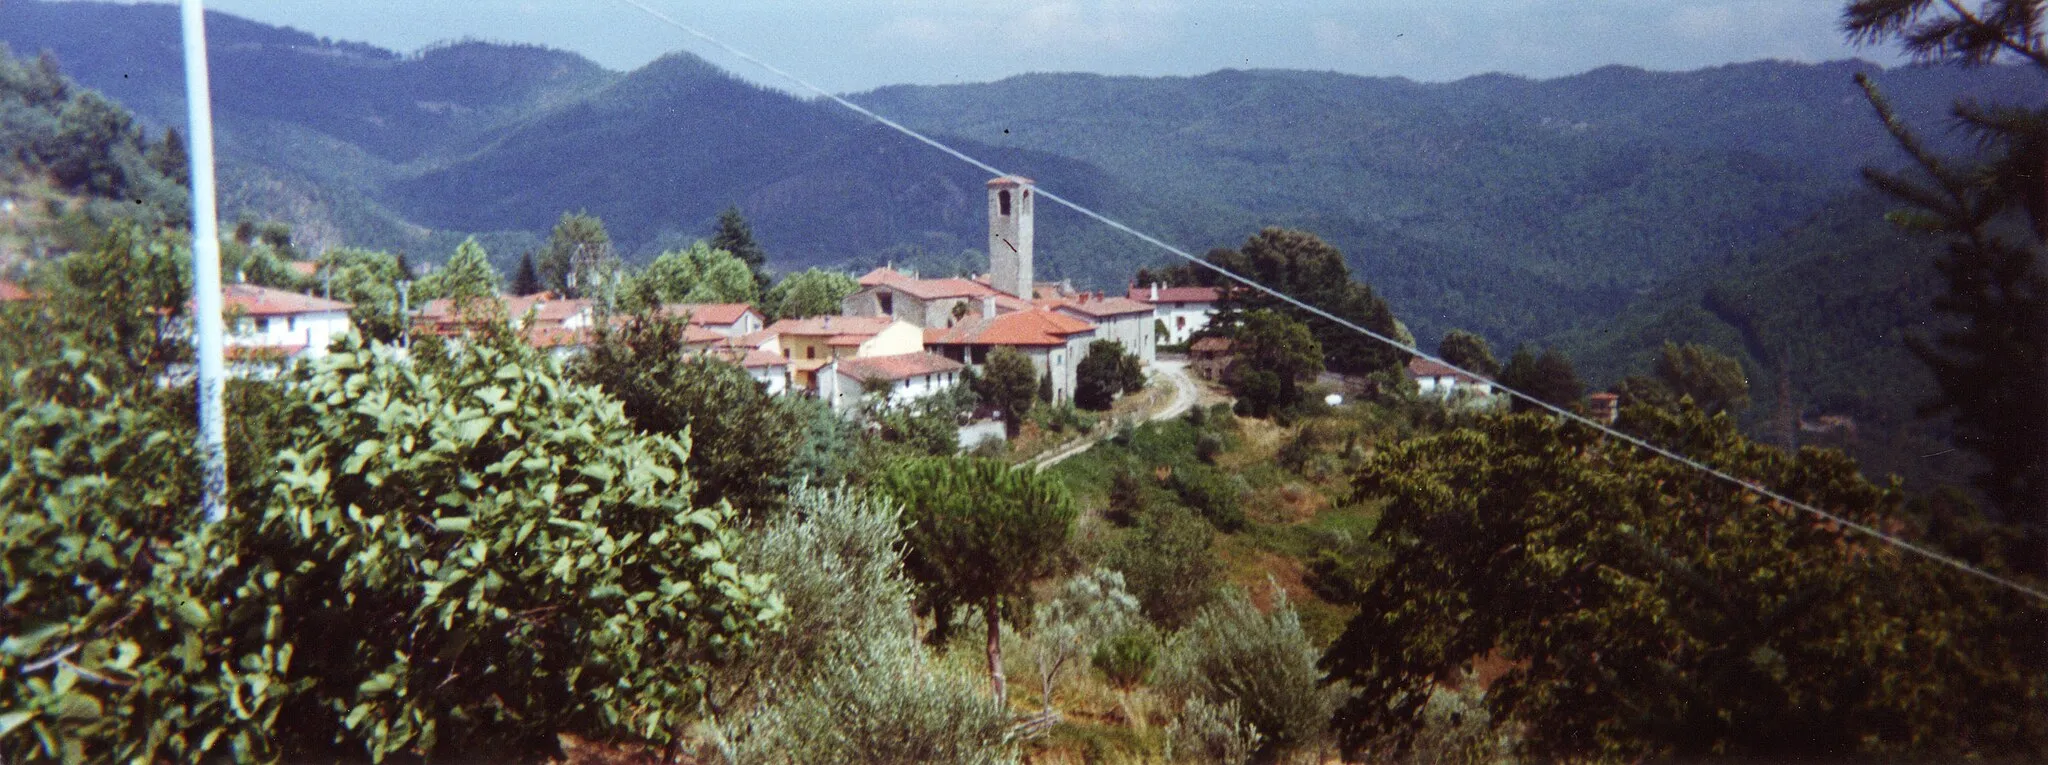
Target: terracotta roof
(1211, 343)
(252, 300)
(1421, 367)
(304, 268)
(1098, 306)
(1010, 180)
(751, 339)
(848, 341)
(755, 359)
(898, 367)
(926, 289)
(547, 309)
(10, 292)
(1143, 294)
(709, 313)
(1019, 328)
(557, 337)
(828, 326)
(261, 352)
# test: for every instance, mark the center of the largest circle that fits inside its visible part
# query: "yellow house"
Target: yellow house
(812, 343)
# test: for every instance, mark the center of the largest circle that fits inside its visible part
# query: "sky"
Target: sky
(853, 45)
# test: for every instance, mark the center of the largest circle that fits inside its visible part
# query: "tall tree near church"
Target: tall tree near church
(736, 236)
(1991, 365)
(1469, 352)
(1302, 265)
(578, 256)
(526, 281)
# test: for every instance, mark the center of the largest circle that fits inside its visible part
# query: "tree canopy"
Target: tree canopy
(1993, 212)
(1549, 377)
(1298, 263)
(1469, 352)
(979, 532)
(577, 257)
(1275, 355)
(1651, 611)
(1010, 385)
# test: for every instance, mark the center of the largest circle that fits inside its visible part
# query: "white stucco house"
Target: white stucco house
(1182, 310)
(1434, 380)
(907, 378)
(272, 324)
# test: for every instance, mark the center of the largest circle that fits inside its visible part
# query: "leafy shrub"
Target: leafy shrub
(1128, 656)
(875, 700)
(1264, 664)
(1167, 565)
(741, 439)
(1066, 628)
(1061, 418)
(845, 680)
(1211, 733)
(1127, 501)
(470, 555)
(1217, 495)
(836, 558)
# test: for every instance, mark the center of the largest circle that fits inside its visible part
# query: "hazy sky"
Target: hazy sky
(849, 45)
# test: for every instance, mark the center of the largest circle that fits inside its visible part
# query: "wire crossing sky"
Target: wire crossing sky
(1764, 491)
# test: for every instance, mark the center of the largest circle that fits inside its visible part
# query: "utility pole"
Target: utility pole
(206, 300)
(405, 313)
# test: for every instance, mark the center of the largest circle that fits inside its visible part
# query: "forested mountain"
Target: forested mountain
(1502, 204)
(1826, 308)
(1514, 207)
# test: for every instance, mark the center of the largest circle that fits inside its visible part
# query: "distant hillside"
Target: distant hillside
(1835, 297)
(1554, 199)
(1518, 208)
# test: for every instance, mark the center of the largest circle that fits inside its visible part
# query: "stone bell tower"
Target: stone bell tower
(1009, 235)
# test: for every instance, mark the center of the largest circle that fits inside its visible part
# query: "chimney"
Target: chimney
(988, 306)
(1009, 235)
(1155, 292)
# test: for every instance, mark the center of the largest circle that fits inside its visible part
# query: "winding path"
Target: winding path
(1185, 393)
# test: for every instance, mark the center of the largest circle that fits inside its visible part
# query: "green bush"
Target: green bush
(1128, 656)
(836, 558)
(845, 680)
(1213, 734)
(1217, 495)
(1167, 565)
(467, 554)
(1263, 664)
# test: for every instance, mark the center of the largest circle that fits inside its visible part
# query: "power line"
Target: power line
(1761, 490)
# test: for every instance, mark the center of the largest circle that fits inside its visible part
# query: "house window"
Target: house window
(291, 323)
(1180, 322)
(785, 353)
(888, 303)
(1003, 202)
(811, 352)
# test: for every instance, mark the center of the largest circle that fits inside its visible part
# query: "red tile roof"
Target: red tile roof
(10, 292)
(927, 289)
(1143, 294)
(1098, 307)
(1421, 367)
(547, 309)
(261, 352)
(252, 300)
(305, 268)
(1210, 344)
(1010, 180)
(899, 367)
(828, 326)
(747, 358)
(1034, 328)
(709, 313)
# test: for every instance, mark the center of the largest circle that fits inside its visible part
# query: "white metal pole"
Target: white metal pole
(206, 301)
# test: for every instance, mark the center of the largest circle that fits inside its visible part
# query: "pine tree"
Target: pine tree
(527, 280)
(736, 236)
(1992, 366)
